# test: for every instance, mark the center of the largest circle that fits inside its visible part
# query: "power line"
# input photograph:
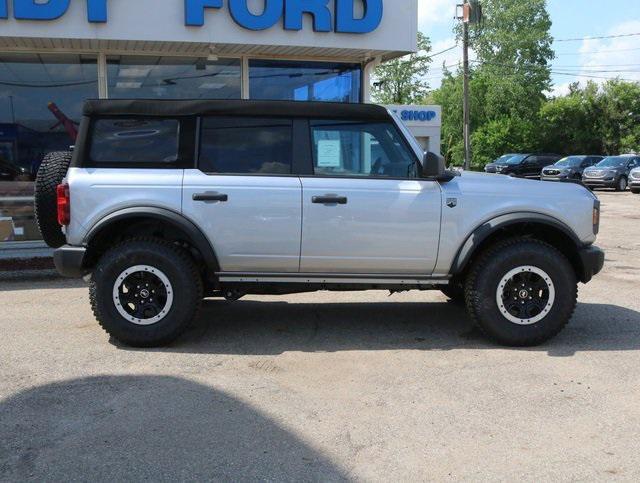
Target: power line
(571, 74)
(591, 66)
(443, 51)
(580, 39)
(564, 72)
(596, 52)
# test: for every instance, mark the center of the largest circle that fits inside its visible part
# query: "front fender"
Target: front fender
(488, 228)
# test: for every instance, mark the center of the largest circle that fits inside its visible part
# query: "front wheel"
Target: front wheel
(521, 292)
(635, 191)
(145, 292)
(622, 184)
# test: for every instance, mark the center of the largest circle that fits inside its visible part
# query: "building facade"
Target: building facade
(54, 54)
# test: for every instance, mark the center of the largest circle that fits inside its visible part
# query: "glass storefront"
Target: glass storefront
(41, 99)
(304, 81)
(173, 78)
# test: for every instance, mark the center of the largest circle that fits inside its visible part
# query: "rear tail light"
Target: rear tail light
(596, 217)
(64, 204)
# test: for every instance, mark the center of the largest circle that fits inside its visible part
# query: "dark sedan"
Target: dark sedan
(522, 165)
(569, 168)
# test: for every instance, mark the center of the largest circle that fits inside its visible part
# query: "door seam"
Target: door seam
(301, 222)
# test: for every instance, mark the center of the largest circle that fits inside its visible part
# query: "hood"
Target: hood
(517, 187)
(605, 168)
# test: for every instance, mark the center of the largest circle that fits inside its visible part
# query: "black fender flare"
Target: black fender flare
(488, 228)
(197, 238)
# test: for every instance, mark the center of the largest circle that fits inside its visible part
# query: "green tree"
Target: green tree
(620, 123)
(572, 124)
(508, 81)
(593, 120)
(401, 81)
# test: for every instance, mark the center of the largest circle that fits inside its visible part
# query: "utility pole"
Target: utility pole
(471, 13)
(465, 89)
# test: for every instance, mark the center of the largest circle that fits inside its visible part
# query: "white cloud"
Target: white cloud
(435, 11)
(604, 58)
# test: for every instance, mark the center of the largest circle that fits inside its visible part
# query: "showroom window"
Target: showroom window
(304, 81)
(173, 78)
(41, 99)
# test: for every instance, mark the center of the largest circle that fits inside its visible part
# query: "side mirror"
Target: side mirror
(433, 165)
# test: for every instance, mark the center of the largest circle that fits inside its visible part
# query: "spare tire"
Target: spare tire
(52, 171)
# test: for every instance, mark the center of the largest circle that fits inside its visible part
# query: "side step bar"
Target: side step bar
(326, 278)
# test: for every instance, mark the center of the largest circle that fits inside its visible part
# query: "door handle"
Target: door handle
(220, 197)
(329, 200)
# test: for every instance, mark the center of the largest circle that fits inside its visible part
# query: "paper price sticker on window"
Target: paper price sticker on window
(329, 154)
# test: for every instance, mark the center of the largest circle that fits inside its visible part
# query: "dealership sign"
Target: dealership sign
(419, 116)
(291, 12)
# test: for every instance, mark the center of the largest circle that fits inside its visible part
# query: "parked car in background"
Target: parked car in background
(569, 168)
(523, 165)
(502, 159)
(611, 172)
(634, 181)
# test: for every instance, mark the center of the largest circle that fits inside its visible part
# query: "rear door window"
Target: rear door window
(137, 141)
(251, 146)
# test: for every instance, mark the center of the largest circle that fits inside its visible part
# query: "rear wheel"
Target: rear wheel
(146, 292)
(521, 292)
(52, 171)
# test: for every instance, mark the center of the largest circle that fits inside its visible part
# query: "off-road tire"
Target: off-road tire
(179, 268)
(494, 264)
(52, 171)
(622, 183)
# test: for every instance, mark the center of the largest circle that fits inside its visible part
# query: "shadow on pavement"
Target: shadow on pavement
(271, 328)
(147, 429)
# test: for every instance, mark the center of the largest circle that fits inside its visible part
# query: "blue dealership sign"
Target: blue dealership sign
(291, 12)
(418, 115)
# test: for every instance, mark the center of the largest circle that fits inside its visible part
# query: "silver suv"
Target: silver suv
(166, 203)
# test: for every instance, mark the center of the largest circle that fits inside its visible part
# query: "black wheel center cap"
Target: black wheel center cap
(524, 294)
(144, 293)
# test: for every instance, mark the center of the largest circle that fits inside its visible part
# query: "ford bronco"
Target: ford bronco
(164, 203)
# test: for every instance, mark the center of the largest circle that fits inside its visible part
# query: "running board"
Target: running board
(325, 278)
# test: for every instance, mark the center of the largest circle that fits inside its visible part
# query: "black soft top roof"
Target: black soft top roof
(331, 110)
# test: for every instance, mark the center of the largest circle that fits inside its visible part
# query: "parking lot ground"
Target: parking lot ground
(327, 387)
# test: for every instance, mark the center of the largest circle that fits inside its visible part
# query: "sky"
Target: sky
(583, 60)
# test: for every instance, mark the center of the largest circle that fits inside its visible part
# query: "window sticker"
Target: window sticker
(329, 154)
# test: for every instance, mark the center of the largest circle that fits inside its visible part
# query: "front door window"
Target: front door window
(360, 149)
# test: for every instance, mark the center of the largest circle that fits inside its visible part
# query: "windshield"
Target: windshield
(612, 162)
(504, 159)
(569, 162)
(517, 159)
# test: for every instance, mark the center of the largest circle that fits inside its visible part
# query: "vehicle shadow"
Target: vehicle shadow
(271, 328)
(148, 428)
